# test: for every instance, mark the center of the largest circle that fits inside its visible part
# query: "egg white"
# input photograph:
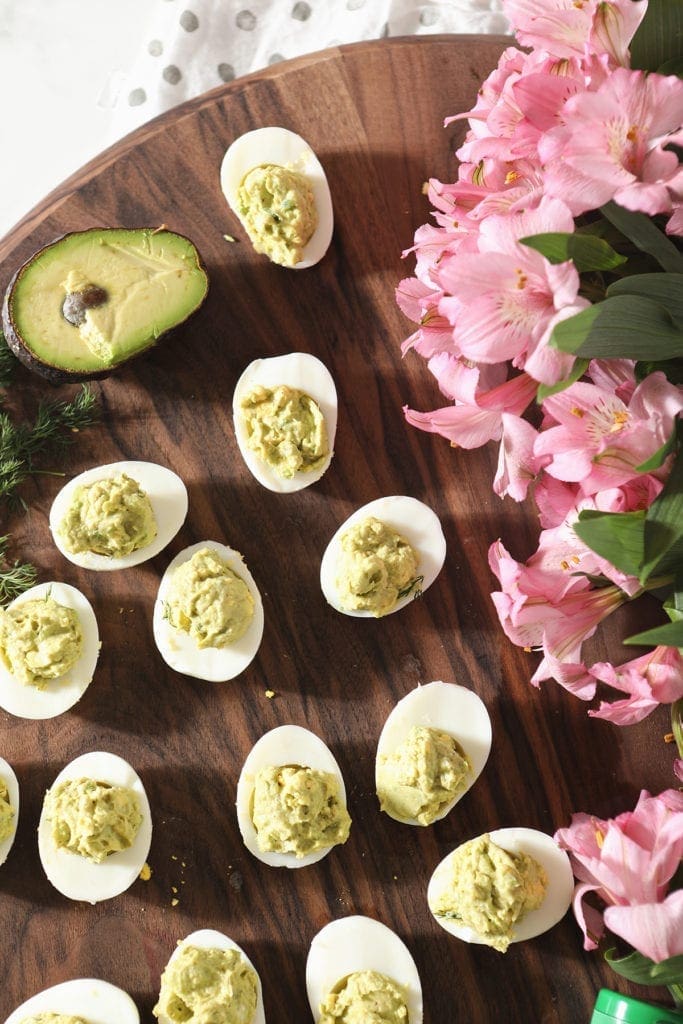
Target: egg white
(452, 709)
(94, 1000)
(9, 778)
(26, 701)
(285, 745)
(77, 877)
(283, 148)
(410, 518)
(180, 651)
(360, 943)
(168, 497)
(208, 938)
(294, 370)
(552, 859)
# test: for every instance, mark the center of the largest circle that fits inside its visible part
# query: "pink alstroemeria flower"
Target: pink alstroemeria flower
(481, 419)
(567, 28)
(506, 294)
(628, 862)
(600, 441)
(653, 679)
(611, 145)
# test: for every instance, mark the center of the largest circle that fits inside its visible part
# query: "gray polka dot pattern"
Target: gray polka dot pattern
(155, 47)
(172, 74)
(226, 72)
(275, 58)
(429, 17)
(301, 11)
(136, 97)
(246, 21)
(189, 21)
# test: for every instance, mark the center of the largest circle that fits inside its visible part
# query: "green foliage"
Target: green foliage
(622, 326)
(15, 578)
(54, 427)
(658, 42)
(616, 536)
(586, 251)
(643, 971)
(645, 235)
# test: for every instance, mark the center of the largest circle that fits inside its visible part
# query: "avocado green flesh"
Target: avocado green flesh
(153, 280)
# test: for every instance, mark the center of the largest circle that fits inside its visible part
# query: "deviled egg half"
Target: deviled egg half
(386, 554)
(291, 799)
(276, 186)
(208, 972)
(49, 646)
(119, 515)
(89, 999)
(95, 828)
(432, 749)
(208, 614)
(9, 808)
(285, 414)
(524, 886)
(358, 957)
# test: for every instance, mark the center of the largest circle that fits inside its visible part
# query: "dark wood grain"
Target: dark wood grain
(374, 114)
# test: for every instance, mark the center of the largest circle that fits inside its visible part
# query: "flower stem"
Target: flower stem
(677, 726)
(677, 993)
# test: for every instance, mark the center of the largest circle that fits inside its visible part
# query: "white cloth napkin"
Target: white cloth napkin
(191, 46)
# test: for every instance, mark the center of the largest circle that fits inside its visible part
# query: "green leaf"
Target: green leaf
(662, 454)
(659, 37)
(643, 971)
(664, 526)
(671, 67)
(664, 289)
(616, 536)
(586, 251)
(668, 635)
(623, 326)
(645, 235)
(546, 390)
(673, 606)
(671, 368)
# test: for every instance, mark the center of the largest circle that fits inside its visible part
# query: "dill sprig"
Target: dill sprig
(52, 430)
(8, 362)
(15, 577)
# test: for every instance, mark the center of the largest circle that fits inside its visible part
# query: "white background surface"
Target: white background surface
(75, 75)
(62, 63)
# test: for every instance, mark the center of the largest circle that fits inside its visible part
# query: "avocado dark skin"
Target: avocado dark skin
(68, 314)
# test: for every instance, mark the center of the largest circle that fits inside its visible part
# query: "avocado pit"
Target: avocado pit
(76, 303)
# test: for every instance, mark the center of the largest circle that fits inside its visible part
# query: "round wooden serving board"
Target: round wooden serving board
(373, 113)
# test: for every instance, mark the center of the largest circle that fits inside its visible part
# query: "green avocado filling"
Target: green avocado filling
(40, 640)
(422, 775)
(207, 986)
(376, 567)
(365, 997)
(209, 601)
(53, 1018)
(7, 812)
(111, 517)
(91, 818)
(286, 429)
(298, 810)
(278, 211)
(491, 890)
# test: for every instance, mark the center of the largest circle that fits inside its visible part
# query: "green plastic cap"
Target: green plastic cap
(611, 1006)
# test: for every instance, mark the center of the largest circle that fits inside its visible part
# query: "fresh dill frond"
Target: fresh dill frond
(8, 362)
(15, 577)
(52, 431)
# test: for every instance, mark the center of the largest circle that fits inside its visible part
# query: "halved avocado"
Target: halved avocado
(93, 299)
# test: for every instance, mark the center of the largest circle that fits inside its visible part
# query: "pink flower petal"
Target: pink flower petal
(654, 929)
